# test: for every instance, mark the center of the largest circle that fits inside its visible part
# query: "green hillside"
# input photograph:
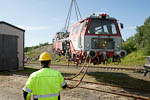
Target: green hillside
(135, 59)
(33, 54)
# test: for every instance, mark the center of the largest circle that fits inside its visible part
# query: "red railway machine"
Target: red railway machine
(97, 36)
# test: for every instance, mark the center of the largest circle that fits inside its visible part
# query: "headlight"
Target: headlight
(118, 48)
(87, 45)
(92, 54)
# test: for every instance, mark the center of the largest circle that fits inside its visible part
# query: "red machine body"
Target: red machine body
(96, 36)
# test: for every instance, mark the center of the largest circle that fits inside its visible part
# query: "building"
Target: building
(11, 47)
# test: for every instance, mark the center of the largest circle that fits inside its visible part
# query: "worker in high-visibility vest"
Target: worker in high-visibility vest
(44, 84)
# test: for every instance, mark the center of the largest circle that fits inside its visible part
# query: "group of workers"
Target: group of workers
(44, 84)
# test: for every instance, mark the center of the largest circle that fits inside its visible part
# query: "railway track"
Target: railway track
(120, 94)
(99, 67)
(106, 68)
(98, 83)
(115, 93)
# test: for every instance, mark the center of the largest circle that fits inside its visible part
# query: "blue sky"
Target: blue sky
(43, 18)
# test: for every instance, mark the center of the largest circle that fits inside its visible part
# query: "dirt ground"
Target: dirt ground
(11, 84)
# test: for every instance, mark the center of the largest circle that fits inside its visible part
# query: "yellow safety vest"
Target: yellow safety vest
(44, 84)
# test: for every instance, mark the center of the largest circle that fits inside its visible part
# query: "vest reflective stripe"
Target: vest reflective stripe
(63, 83)
(45, 96)
(27, 89)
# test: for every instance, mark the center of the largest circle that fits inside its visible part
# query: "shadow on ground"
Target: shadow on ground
(122, 80)
(26, 72)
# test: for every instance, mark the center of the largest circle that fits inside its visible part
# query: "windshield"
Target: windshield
(99, 26)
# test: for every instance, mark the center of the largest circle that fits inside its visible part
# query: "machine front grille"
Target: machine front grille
(101, 43)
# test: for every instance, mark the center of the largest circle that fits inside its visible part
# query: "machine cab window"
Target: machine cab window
(102, 26)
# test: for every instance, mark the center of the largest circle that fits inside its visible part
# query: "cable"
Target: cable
(68, 16)
(71, 86)
(77, 11)
(70, 78)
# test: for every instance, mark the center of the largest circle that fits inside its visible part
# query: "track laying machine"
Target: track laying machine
(97, 36)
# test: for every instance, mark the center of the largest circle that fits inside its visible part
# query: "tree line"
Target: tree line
(140, 41)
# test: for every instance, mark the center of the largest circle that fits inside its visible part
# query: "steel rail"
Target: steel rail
(112, 68)
(100, 67)
(98, 83)
(115, 93)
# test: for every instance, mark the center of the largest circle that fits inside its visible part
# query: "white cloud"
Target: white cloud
(130, 28)
(33, 28)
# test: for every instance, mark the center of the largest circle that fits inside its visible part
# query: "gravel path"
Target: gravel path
(11, 88)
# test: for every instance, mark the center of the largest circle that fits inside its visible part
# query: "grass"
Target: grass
(59, 60)
(134, 59)
(34, 54)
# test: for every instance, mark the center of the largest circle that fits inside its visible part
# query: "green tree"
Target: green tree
(147, 35)
(142, 37)
(141, 40)
(129, 45)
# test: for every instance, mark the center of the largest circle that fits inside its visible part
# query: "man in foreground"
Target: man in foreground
(44, 84)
